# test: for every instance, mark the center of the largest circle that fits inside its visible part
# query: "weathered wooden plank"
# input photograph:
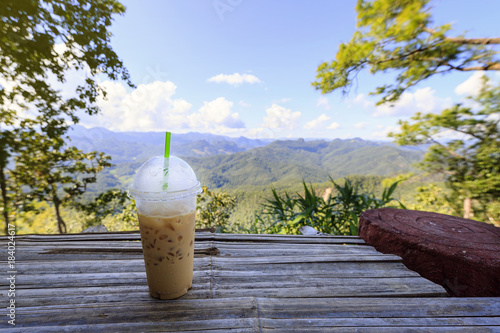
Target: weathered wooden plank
(258, 249)
(112, 294)
(397, 329)
(231, 245)
(293, 323)
(335, 288)
(95, 295)
(87, 266)
(32, 246)
(233, 250)
(365, 314)
(208, 250)
(98, 236)
(91, 245)
(390, 307)
(242, 249)
(223, 263)
(76, 253)
(124, 236)
(296, 325)
(347, 269)
(213, 326)
(201, 279)
(132, 235)
(270, 271)
(293, 285)
(317, 314)
(117, 235)
(221, 286)
(302, 239)
(79, 243)
(182, 310)
(70, 257)
(304, 279)
(260, 260)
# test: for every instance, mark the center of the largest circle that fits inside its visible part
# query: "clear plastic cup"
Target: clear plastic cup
(167, 224)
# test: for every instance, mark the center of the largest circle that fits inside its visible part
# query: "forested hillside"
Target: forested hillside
(285, 162)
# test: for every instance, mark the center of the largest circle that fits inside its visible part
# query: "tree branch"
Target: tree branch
(463, 40)
(473, 41)
(402, 56)
(493, 66)
(451, 152)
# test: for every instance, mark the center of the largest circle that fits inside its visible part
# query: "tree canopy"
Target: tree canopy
(61, 174)
(41, 42)
(39, 38)
(399, 35)
(465, 147)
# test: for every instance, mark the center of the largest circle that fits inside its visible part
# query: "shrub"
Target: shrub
(337, 214)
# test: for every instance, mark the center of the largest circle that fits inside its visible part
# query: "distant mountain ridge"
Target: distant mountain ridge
(224, 162)
(312, 161)
(143, 145)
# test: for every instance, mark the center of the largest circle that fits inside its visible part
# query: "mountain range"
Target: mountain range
(225, 162)
(288, 161)
(122, 146)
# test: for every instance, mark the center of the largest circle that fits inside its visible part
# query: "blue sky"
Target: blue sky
(245, 67)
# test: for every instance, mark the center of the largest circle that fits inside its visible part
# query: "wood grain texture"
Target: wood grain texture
(241, 283)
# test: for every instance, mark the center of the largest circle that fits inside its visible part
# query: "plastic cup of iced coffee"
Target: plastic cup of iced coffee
(167, 224)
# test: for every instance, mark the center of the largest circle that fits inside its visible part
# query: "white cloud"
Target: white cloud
(361, 125)
(280, 118)
(361, 100)
(422, 100)
(471, 86)
(216, 116)
(333, 126)
(384, 131)
(152, 107)
(323, 102)
(260, 133)
(281, 101)
(317, 123)
(234, 79)
(244, 104)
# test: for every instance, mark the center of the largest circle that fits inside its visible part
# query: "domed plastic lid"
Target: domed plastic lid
(148, 181)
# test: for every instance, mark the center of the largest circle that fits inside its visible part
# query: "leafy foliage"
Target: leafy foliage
(39, 219)
(433, 198)
(465, 148)
(333, 214)
(110, 202)
(214, 210)
(399, 35)
(41, 42)
(61, 173)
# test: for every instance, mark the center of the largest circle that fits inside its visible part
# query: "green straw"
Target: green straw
(165, 161)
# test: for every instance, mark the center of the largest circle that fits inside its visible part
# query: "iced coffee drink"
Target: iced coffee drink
(167, 224)
(168, 247)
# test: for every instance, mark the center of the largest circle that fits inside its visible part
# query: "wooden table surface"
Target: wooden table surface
(242, 283)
